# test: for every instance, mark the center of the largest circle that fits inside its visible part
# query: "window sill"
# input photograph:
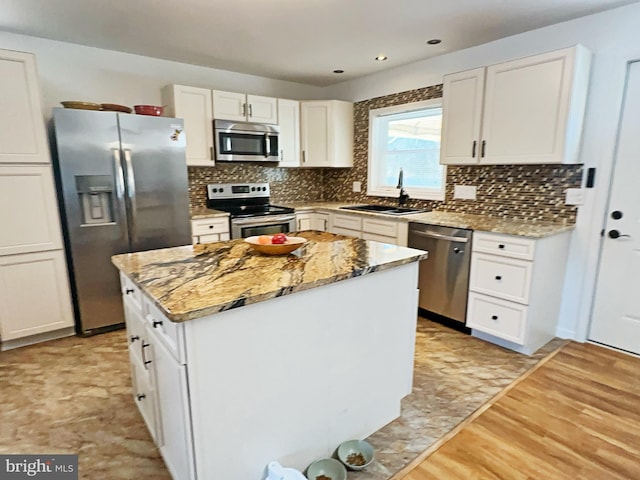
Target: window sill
(412, 195)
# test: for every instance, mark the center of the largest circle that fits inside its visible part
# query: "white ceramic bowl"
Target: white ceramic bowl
(353, 452)
(327, 467)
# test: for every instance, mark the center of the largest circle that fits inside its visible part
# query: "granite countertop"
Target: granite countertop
(203, 212)
(198, 280)
(483, 223)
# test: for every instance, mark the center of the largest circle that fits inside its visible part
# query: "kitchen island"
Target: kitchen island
(240, 358)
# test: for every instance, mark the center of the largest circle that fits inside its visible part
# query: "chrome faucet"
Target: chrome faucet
(404, 196)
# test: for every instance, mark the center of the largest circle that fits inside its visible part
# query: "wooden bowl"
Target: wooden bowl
(154, 110)
(81, 105)
(293, 243)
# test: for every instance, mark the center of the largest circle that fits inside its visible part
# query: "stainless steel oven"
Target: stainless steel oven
(262, 225)
(250, 212)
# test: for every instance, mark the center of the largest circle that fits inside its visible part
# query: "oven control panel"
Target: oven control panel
(237, 190)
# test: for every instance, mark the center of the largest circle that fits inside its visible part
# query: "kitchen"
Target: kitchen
(112, 78)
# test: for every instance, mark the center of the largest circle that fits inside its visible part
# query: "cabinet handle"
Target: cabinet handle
(501, 246)
(129, 290)
(484, 147)
(244, 109)
(156, 323)
(498, 277)
(133, 338)
(281, 155)
(325, 224)
(144, 356)
(211, 154)
(304, 157)
(140, 396)
(210, 226)
(494, 317)
(250, 110)
(473, 149)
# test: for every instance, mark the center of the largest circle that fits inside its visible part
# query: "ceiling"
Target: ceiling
(296, 40)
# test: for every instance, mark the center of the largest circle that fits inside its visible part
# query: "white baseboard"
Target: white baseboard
(567, 334)
(41, 337)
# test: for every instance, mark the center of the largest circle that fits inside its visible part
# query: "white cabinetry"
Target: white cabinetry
(194, 106)
(525, 111)
(240, 107)
(207, 230)
(515, 287)
(35, 301)
(327, 133)
(289, 121)
(159, 378)
(22, 133)
(312, 221)
(370, 228)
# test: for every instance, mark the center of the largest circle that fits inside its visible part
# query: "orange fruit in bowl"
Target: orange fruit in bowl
(264, 240)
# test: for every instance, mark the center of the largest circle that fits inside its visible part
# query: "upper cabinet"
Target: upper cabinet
(194, 106)
(526, 111)
(326, 133)
(289, 139)
(244, 108)
(22, 133)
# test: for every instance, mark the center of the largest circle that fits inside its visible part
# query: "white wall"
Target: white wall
(614, 38)
(75, 72)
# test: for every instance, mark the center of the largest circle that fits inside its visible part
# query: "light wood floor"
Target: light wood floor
(576, 417)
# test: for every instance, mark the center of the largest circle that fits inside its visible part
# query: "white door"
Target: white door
(289, 121)
(262, 109)
(616, 314)
(229, 106)
(194, 106)
(314, 125)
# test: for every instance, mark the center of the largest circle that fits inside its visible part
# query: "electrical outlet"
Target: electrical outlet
(465, 192)
(574, 196)
(357, 187)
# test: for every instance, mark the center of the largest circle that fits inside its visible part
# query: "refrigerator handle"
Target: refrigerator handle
(131, 194)
(119, 184)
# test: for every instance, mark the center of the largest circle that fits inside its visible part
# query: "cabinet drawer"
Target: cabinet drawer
(497, 317)
(380, 227)
(168, 332)
(502, 277)
(506, 245)
(379, 238)
(347, 232)
(208, 226)
(131, 291)
(347, 221)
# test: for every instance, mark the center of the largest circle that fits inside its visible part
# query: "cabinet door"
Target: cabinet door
(174, 415)
(315, 137)
(319, 221)
(34, 294)
(461, 117)
(303, 221)
(229, 106)
(526, 109)
(146, 397)
(289, 121)
(28, 212)
(194, 106)
(262, 109)
(22, 133)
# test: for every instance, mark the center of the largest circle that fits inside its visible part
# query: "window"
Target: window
(406, 137)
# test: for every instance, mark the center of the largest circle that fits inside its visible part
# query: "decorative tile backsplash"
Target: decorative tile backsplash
(524, 192)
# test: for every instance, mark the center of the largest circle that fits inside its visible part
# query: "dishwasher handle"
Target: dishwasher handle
(439, 236)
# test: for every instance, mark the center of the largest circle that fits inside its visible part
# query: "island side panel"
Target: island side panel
(290, 378)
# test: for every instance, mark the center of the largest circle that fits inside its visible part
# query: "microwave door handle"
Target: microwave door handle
(267, 145)
(227, 141)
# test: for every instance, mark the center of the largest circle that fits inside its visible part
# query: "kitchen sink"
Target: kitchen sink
(386, 209)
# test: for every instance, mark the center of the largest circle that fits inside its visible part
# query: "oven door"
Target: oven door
(263, 225)
(246, 142)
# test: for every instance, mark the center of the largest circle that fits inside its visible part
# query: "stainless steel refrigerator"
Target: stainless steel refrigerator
(122, 187)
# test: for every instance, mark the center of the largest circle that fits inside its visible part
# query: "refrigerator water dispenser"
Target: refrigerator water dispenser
(95, 193)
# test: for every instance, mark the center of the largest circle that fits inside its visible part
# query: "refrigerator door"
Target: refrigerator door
(91, 195)
(153, 150)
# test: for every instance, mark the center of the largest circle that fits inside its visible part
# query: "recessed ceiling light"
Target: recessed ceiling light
(434, 41)
(338, 71)
(381, 58)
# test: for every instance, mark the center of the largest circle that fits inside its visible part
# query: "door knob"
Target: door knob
(616, 234)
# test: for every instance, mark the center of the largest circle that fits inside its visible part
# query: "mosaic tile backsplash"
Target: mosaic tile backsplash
(523, 192)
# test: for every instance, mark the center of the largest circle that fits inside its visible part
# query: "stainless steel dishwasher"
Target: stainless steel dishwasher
(444, 276)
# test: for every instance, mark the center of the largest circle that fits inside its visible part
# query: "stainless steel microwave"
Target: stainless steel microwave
(245, 142)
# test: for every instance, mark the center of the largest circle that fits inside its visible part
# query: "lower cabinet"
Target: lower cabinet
(312, 221)
(369, 228)
(515, 289)
(34, 294)
(208, 230)
(159, 381)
